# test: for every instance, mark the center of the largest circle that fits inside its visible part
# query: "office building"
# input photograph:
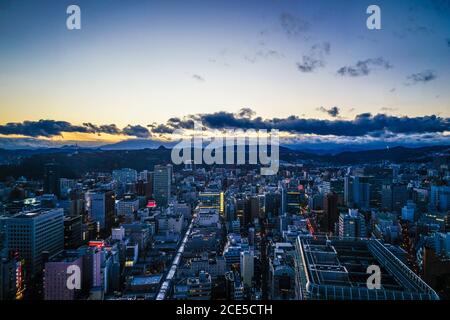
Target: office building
(212, 200)
(409, 212)
(51, 178)
(361, 192)
(56, 276)
(440, 198)
(162, 179)
(247, 267)
(33, 234)
(73, 232)
(394, 197)
(127, 206)
(331, 213)
(352, 224)
(100, 206)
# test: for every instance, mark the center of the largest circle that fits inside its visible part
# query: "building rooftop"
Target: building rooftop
(146, 280)
(337, 268)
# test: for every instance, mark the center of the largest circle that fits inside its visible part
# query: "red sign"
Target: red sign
(97, 243)
(151, 204)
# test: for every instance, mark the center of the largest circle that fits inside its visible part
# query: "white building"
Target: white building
(247, 267)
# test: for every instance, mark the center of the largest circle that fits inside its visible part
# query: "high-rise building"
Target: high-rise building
(212, 200)
(394, 197)
(409, 212)
(331, 214)
(272, 204)
(100, 206)
(352, 224)
(65, 185)
(440, 198)
(73, 232)
(361, 192)
(8, 275)
(51, 178)
(247, 267)
(293, 201)
(33, 233)
(126, 179)
(127, 206)
(56, 276)
(348, 191)
(282, 272)
(162, 179)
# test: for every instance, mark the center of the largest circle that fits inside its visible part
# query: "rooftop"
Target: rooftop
(342, 262)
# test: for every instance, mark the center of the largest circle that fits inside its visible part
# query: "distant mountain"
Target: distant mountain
(135, 144)
(397, 154)
(76, 161)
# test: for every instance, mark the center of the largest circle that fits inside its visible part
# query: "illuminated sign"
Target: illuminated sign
(97, 243)
(20, 288)
(151, 204)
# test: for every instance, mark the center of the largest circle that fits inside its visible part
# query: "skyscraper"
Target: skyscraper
(331, 214)
(247, 267)
(35, 232)
(126, 179)
(100, 206)
(409, 212)
(51, 178)
(440, 198)
(73, 232)
(348, 191)
(352, 224)
(162, 184)
(394, 197)
(361, 192)
(56, 276)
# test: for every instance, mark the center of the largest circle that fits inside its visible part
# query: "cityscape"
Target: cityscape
(107, 194)
(193, 232)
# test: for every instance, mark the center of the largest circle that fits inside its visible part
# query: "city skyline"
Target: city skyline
(311, 70)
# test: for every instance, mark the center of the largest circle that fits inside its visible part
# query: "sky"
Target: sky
(293, 65)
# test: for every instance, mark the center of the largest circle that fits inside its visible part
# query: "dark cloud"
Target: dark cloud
(315, 58)
(246, 113)
(136, 131)
(109, 129)
(292, 25)
(162, 129)
(333, 112)
(52, 128)
(421, 77)
(363, 124)
(41, 128)
(364, 67)
(178, 123)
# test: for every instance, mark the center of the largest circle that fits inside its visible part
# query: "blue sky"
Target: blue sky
(140, 63)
